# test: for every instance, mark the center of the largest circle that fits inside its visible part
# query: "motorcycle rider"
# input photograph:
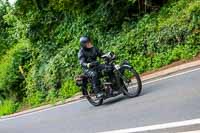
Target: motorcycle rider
(87, 56)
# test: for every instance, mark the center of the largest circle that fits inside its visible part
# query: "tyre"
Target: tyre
(132, 85)
(91, 97)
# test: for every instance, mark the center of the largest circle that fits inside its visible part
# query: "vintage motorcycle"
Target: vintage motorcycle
(114, 80)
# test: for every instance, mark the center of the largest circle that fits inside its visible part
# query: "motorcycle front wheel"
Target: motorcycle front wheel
(132, 85)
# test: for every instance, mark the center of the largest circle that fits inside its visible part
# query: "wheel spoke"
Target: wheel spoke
(92, 97)
(131, 83)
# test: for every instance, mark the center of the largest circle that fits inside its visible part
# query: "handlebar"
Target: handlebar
(108, 57)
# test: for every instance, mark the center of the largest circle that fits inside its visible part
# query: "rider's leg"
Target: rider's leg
(95, 81)
(84, 87)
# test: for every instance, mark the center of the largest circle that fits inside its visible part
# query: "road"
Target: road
(172, 99)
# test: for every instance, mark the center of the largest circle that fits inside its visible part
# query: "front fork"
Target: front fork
(119, 70)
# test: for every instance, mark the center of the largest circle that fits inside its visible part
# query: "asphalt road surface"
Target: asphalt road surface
(165, 101)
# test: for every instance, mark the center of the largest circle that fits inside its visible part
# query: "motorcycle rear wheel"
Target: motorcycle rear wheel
(91, 97)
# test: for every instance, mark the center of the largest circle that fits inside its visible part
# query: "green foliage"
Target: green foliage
(68, 89)
(35, 98)
(155, 36)
(7, 107)
(52, 96)
(12, 80)
(5, 39)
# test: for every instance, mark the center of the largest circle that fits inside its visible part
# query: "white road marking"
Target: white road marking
(171, 76)
(156, 127)
(167, 77)
(42, 110)
(197, 131)
(149, 82)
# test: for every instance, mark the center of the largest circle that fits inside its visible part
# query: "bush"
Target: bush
(35, 98)
(68, 89)
(7, 107)
(52, 96)
(11, 78)
(5, 38)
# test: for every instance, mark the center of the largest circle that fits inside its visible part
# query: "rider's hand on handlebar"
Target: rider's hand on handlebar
(92, 64)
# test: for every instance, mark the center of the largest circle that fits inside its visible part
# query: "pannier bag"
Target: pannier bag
(80, 79)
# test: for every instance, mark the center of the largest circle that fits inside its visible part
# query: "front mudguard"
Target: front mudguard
(124, 66)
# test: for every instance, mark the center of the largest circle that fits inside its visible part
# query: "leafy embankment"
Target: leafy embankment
(40, 43)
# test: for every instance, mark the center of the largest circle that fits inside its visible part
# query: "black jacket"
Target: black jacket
(86, 56)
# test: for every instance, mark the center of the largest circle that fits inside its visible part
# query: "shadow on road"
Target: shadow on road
(115, 100)
(121, 98)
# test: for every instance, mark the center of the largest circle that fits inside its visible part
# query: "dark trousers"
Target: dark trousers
(94, 75)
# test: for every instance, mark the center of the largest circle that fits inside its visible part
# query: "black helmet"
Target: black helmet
(84, 40)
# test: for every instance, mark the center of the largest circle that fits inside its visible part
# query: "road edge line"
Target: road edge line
(156, 127)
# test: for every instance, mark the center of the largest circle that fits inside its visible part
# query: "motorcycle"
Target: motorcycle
(114, 80)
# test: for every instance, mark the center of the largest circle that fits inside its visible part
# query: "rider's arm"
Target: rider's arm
(99, 52)
(82, 59)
